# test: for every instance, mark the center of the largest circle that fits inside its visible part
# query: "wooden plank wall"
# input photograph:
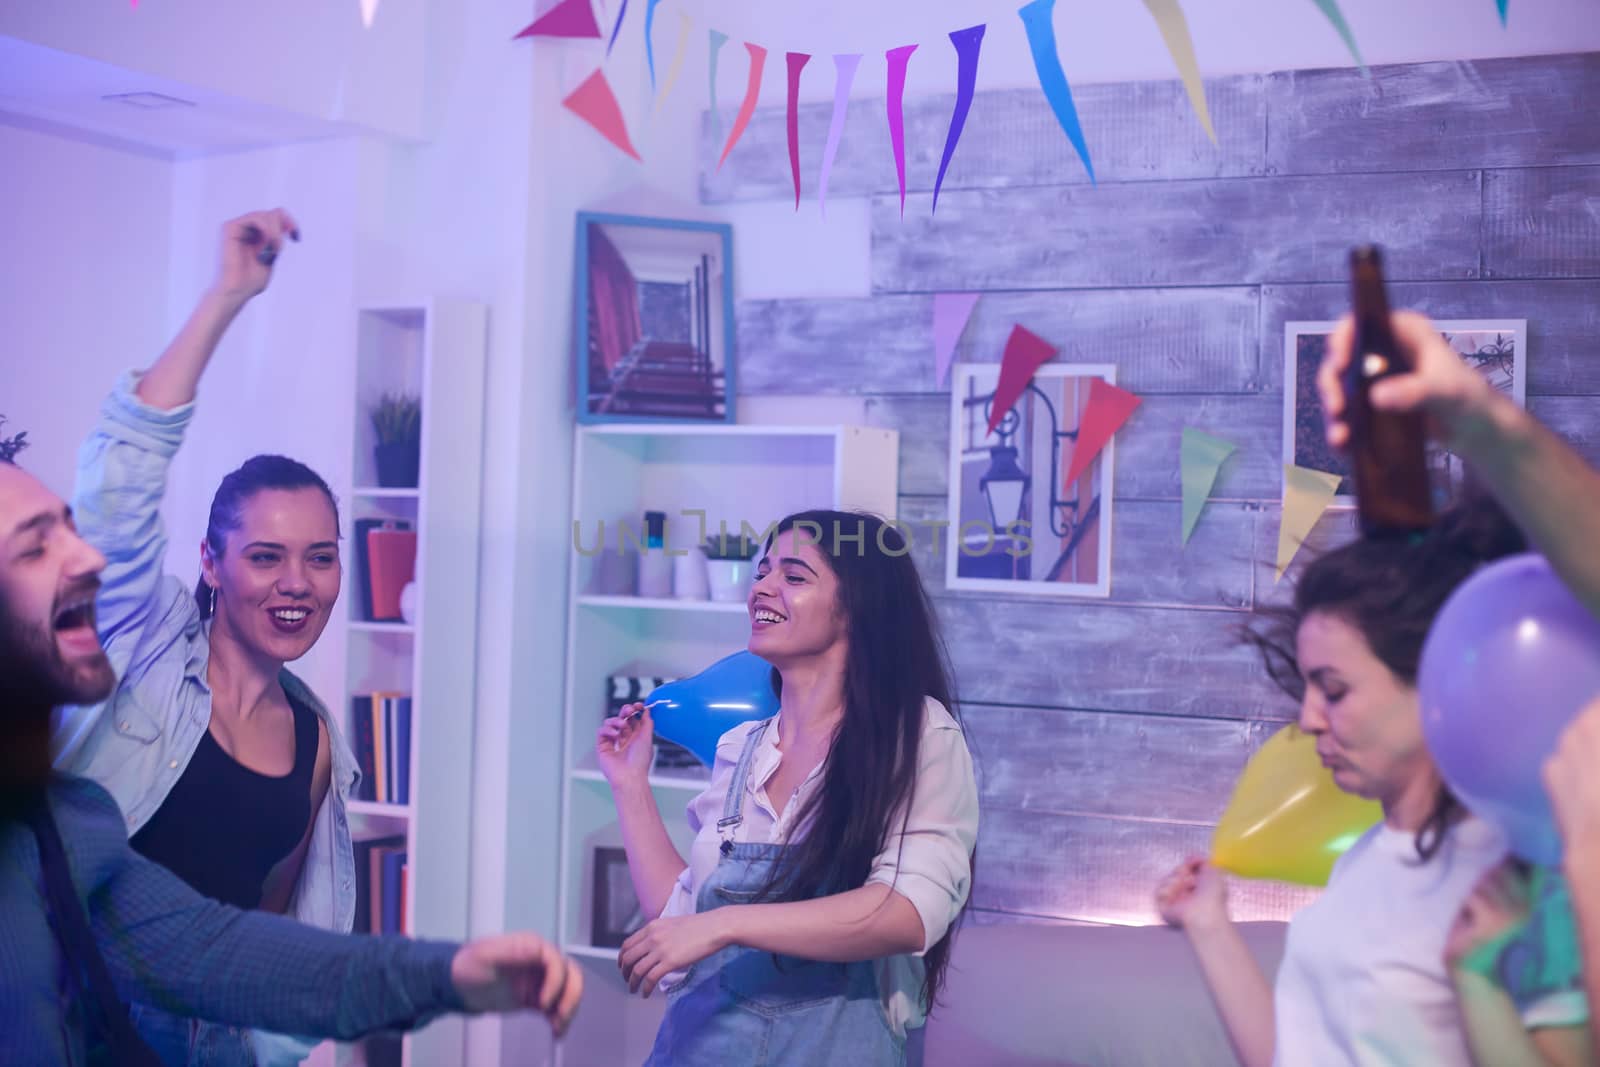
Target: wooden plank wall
(1109, 733)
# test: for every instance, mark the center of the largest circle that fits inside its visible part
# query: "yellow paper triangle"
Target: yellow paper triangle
(675, 67)
(1175, 31)
(1306, 495)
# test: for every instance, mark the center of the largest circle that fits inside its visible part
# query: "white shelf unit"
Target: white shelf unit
(753, 473)
(436, 351)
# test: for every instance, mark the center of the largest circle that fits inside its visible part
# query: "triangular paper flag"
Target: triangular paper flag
(649, 40)
(1306, 495)
(752, 93)
(968, 43)
(1108, 408)
(1037, 19)
(616, 28)
(1025, 352)
(1330, 8)
(1502, 5)
(570, 18)
(844, 75)
(675, 67)
(797, 63)
(1202, 458)
(1175, 31)
(897, 60)
(596, 104)
(369, 11)
(950, 314)
(715, 41)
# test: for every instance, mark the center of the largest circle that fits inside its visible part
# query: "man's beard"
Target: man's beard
(34, 674)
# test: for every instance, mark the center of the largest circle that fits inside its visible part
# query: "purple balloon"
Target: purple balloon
(1510, 661)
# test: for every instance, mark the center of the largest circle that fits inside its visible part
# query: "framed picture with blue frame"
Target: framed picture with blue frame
(655, 319)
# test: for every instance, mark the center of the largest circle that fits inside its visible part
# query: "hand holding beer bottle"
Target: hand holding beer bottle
(1387, 445)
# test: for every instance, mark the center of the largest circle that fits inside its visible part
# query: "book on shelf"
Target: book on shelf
(382, 728)
(365, 562)
(381, 885)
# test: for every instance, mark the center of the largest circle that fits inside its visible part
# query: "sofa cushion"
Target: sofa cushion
(1090, 996)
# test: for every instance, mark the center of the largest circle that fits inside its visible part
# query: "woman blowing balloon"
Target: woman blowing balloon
(832, 851)
(1364, 978)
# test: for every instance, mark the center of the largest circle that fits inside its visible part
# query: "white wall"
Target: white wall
(309, 57)
(83, 285)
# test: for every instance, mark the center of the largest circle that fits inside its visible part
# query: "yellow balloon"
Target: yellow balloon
(1287, 821)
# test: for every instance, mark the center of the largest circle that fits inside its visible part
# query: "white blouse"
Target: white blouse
(928, 861)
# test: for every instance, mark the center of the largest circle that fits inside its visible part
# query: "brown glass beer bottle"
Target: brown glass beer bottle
(1388, 458)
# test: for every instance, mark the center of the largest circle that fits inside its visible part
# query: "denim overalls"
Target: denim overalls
(739, 1006)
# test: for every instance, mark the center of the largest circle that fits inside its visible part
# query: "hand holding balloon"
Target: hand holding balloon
(625, 747)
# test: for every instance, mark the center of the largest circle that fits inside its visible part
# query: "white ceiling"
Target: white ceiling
(64, 94)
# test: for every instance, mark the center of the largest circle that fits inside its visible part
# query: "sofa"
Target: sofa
(1086, 996)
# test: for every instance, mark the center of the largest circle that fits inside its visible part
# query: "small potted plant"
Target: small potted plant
(729, 566)
(10, 446)
(397, 421)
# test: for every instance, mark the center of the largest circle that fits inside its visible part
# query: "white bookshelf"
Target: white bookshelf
(732, 472)
(435, 350)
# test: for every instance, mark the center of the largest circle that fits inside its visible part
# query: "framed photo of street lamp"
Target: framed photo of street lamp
(1016, 526)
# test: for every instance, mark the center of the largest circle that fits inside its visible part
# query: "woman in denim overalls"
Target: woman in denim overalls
(813, 919)
(209, 745)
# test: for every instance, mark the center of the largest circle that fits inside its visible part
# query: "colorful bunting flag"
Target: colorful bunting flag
(898, 58)
(844, 76)
(1502, 5)
(1330, 8)
(650, 41)
(1306, 495)
(1202, 456)
(675, 67)
(752, 92)
(1175, 31)
(1108, 408)
(596, 104)
(1036, 19)
(1025, 352)
(718, 39)
(369, 11)
(797, 62)
(622, 13)
(570, 18)
(967, 43)
(950, 314)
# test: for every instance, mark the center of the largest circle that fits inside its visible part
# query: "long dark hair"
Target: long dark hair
(254, 475)
(1390, 589)
(896, 661)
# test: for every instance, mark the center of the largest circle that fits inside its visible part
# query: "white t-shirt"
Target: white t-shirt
(929, 863)
(1363, 979)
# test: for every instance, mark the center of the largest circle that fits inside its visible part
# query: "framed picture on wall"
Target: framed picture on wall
(1015, 526)
(1497, 347)
(615, 913)
(654, 319)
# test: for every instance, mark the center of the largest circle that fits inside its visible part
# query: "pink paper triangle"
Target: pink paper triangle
(950, 314)
(569, 18)
(1025, 352)
(596, 104)
(1108, 408)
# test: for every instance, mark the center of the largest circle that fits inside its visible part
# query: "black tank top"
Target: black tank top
(224, 827)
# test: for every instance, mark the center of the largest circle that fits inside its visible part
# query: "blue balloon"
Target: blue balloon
(695, 712)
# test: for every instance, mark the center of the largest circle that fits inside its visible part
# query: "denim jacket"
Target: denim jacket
(137, 743)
